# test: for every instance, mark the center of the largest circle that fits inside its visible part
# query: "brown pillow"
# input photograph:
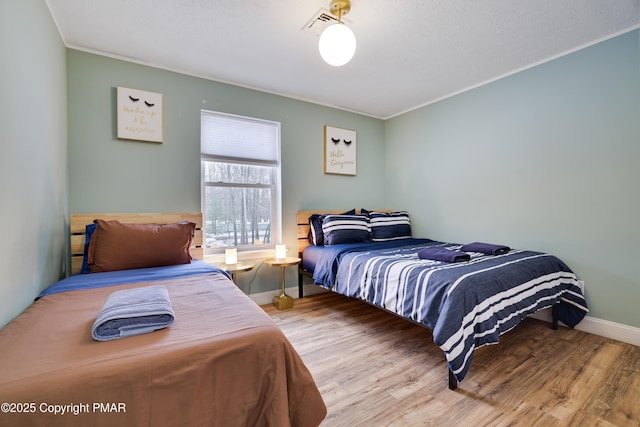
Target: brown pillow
(118, 246)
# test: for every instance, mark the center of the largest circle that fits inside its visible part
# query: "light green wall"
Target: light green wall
(33, 148)
(111, 175)
(547, 159)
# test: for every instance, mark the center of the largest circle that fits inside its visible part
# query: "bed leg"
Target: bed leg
(554, 317)
(300, 284)
(453, 382)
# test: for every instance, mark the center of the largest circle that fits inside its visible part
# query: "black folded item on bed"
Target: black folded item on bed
(443, 254)
(486, 248)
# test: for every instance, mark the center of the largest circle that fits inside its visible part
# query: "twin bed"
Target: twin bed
(223, 361)
(466, 304)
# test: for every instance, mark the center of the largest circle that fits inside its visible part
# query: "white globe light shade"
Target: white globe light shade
(337, 44)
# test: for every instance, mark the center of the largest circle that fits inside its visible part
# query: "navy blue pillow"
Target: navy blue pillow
(389, 226)
(315, 230)
(90, 228)
(315, 236)
(345, 229)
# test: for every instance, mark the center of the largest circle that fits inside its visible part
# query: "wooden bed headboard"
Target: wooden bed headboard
(78, 224)
(302, 220)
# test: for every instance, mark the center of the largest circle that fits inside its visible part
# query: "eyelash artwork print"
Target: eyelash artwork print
(139, 115)
(339, 151)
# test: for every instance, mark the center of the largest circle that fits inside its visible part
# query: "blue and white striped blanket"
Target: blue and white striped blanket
(467, 304)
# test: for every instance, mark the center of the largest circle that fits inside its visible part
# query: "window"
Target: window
(240, 177)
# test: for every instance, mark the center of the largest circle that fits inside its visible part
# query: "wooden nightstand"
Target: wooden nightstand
(283, 300)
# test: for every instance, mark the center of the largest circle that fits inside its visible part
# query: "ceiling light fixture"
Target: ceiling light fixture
(337, 42)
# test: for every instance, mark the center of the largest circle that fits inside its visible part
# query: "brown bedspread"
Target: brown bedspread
(223, 362)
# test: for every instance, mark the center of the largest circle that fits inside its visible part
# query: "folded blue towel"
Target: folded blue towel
(486, 248)
(443, 254)
(133, 312)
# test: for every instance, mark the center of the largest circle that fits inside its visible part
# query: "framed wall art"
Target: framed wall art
(339, 151)
(139, 115)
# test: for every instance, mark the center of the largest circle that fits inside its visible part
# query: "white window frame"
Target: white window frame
(247, 251)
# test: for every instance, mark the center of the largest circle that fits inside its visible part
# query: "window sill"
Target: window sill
(242, 256)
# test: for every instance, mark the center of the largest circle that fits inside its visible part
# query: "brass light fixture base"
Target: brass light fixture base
(340, 7)
(282, 302)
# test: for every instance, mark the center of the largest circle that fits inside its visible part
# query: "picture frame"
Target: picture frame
(139, 115)
(339, 151)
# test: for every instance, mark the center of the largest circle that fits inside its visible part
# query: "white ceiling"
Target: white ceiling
(410, 53)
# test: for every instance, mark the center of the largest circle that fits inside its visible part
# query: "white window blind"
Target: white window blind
(240, 178)
(235, 138)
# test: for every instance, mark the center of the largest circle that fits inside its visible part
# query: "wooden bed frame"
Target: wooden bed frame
(78, 222)
(303, 241)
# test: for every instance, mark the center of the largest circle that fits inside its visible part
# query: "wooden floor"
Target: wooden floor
(375, 369)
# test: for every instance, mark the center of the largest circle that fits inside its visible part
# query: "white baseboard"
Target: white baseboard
(604, 328)
(592, 325)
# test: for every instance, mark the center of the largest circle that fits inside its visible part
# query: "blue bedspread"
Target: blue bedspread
(110, 278)
(466, 304)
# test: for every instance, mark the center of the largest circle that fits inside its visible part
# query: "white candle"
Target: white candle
(231, 256)
(281, 251)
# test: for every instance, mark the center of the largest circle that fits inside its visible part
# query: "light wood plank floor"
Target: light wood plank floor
(375, 369)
